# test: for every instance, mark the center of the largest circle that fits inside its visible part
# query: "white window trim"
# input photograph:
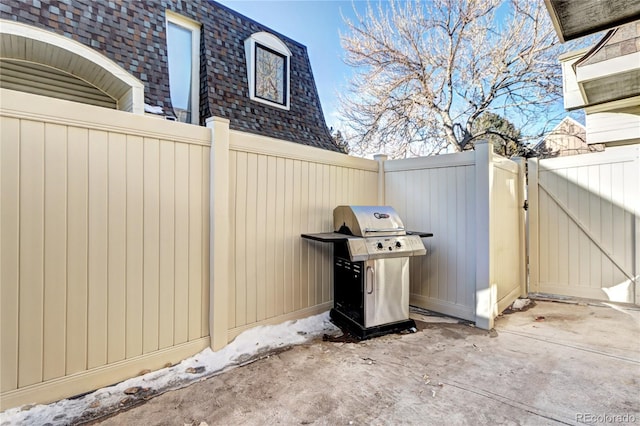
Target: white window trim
(274, 43)
(194, 27)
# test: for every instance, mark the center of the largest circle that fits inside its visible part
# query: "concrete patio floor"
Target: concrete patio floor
(556, 363)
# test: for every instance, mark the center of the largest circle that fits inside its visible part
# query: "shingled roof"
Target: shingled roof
(133, 34)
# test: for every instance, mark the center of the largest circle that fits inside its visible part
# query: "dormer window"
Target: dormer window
(268, 69)
(183, 53)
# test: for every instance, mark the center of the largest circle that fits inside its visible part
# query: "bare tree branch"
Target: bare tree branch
(427, 71)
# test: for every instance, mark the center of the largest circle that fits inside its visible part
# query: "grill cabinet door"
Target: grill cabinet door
(386, 291)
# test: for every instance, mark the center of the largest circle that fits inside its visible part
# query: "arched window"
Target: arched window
(268, 63)
(45, 63)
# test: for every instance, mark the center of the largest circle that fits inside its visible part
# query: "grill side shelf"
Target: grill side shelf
(336, 237)
(420, 234)
(327, 237)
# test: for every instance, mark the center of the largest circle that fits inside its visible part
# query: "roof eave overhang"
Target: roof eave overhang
(575, 19)
(610, 80)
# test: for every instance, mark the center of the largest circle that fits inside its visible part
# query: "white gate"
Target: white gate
(584, 225)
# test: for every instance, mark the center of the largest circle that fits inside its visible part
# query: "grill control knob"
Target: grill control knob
(398, 244)
(379, 246)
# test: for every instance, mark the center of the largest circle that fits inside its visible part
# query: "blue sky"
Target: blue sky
(316, 24)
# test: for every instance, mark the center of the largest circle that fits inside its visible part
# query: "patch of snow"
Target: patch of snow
(518, 304)
(153, 109)
(433, 318)
(247, 347)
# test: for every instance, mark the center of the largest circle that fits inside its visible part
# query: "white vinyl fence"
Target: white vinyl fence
(276, 191)
(471, 202)
(129, 241)
(104, 265)
(585, 225)
(107, 263)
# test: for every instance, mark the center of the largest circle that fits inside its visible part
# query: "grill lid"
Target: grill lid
(367, 221)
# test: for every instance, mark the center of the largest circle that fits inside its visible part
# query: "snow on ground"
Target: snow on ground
(248, 346)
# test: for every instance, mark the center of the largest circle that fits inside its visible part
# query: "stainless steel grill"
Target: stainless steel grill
(382, 230)
(371, 269)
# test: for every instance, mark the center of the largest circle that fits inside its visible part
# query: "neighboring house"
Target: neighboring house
(195, 59)
(568, 138)
(605, 82)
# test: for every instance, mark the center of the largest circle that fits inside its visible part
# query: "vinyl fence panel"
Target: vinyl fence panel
(584, 225)
(277, 191)
(436, 194)
(472, 203)
(104, 255)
